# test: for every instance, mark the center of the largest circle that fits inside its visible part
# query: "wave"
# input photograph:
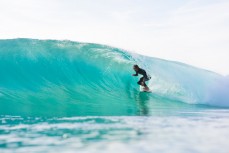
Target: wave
(51, 77)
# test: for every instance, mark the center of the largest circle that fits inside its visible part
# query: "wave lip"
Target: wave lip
(64, 77)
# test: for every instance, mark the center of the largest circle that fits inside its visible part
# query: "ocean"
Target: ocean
(70, 96)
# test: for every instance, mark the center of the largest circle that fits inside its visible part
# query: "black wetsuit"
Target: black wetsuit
(142, 79)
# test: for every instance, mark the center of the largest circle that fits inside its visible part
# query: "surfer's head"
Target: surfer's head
(136, 67)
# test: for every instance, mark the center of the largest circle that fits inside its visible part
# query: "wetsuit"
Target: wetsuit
(144, 78)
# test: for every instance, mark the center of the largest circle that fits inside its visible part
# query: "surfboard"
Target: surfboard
(142, 89)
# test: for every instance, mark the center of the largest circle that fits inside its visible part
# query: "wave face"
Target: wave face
(65, 78)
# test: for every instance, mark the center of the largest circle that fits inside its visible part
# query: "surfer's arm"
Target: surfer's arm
(135, 74)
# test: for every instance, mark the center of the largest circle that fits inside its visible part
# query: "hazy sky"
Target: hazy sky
(191, 31)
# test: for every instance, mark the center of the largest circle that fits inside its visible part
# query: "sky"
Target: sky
(195, 32)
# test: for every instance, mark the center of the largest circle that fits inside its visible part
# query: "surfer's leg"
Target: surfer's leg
(144, 84)
(140, 81)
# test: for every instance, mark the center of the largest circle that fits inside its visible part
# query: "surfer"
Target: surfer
(143, 79)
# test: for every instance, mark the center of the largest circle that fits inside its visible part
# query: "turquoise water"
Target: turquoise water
(80, 97)
(204, 132)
